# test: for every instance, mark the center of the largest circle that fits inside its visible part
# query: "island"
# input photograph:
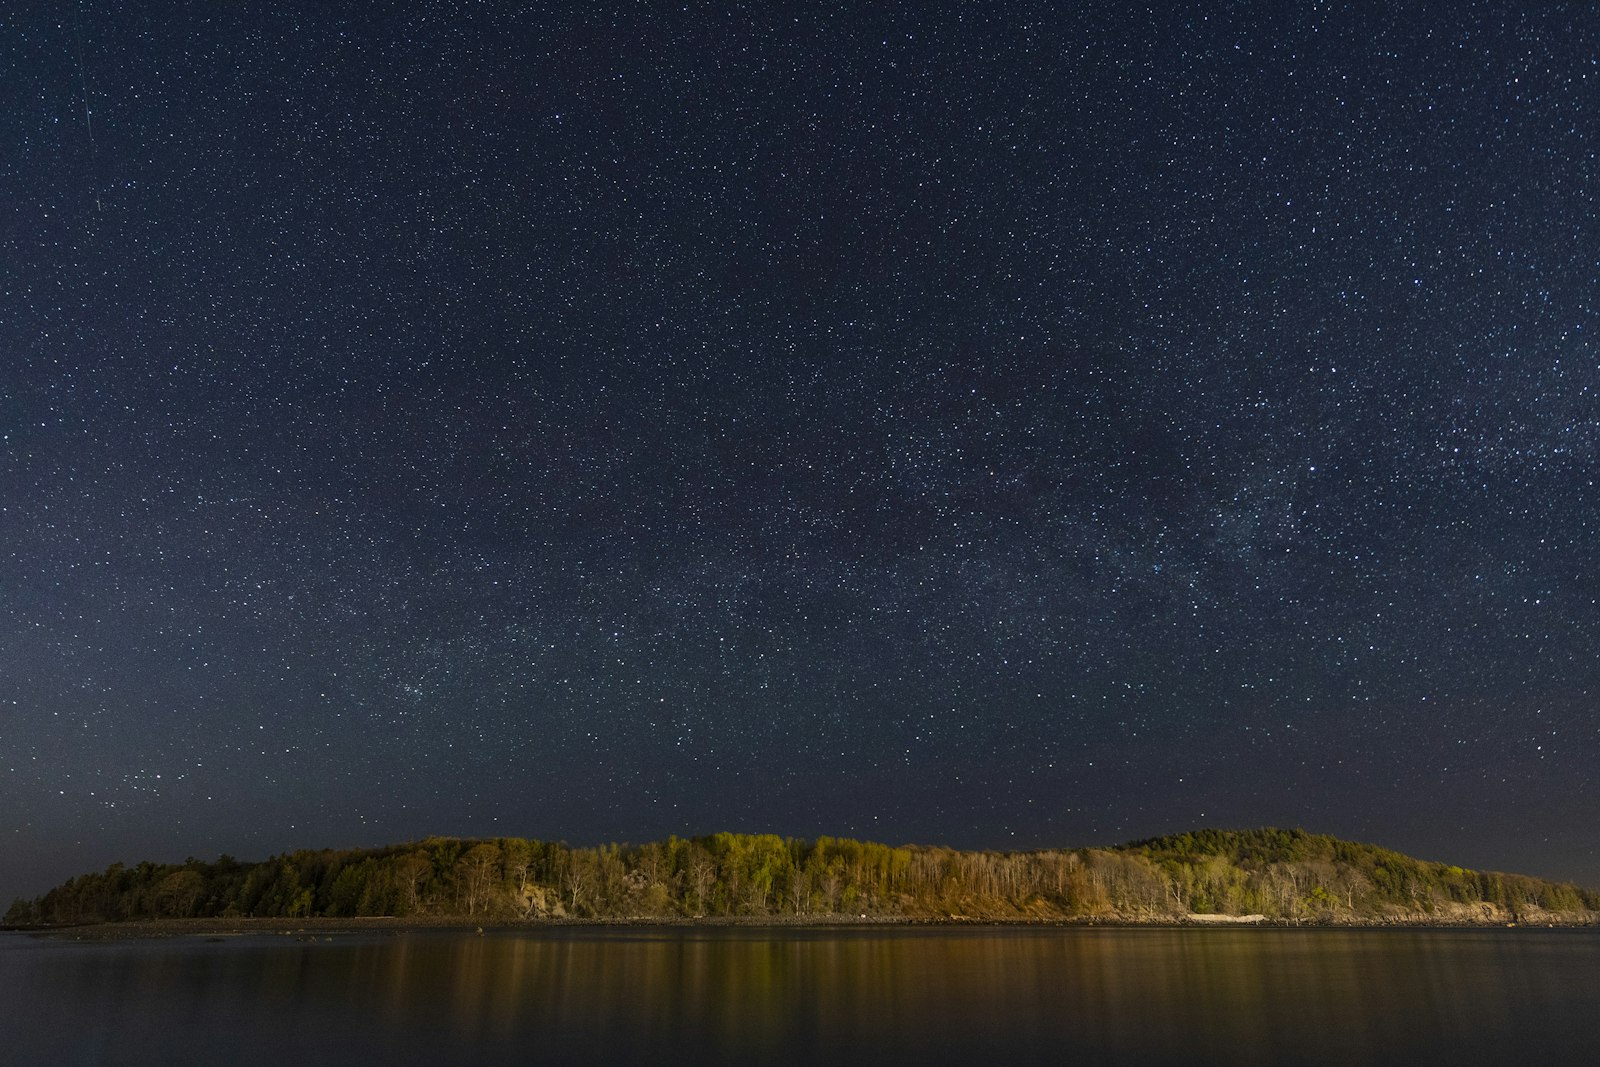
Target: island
(1206, 877)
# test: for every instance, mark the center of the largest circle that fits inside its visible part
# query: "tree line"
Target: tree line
(1286, 875)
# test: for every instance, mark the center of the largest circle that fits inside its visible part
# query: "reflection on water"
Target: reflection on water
(802, 996)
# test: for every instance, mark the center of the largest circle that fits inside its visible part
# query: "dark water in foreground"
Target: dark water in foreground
(927, 996)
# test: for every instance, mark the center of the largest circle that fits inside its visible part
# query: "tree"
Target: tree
(576, 878)
(518, 864)
(702, 875)
(180, 892)
(799, 892)
(410, 871)
(479, 871)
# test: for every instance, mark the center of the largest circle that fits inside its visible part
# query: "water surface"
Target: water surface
(873, 995)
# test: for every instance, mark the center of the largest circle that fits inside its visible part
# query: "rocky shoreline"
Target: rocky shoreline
(313, 929)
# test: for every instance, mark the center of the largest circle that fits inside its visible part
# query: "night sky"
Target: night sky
(997, 427)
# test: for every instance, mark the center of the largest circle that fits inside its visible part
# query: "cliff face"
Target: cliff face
(1208, 876)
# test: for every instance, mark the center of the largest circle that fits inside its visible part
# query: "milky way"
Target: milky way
(916, 423)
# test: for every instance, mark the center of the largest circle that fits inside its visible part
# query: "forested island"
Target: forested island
(1267, 875)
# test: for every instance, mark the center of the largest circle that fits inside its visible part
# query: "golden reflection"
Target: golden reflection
(680, 995)
(1222, 995)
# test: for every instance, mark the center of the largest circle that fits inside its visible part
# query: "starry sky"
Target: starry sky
(996, 426)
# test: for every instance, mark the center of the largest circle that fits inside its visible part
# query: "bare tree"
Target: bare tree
(478, 869)
(832, 882)
(702, 873)
(410, 872)
(518, 860)
(799, 891)
(575, 880)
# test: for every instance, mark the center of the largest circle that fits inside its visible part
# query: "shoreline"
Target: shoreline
(314, 928)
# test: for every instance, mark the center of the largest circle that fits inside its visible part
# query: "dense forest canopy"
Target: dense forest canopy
(1286, 875)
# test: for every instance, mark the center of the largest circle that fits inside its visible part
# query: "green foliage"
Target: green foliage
(1283, 874)
(22, 912)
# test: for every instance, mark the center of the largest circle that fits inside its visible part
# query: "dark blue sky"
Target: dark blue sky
(1003, 428)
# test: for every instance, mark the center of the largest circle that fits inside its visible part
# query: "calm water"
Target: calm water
(971, 996)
